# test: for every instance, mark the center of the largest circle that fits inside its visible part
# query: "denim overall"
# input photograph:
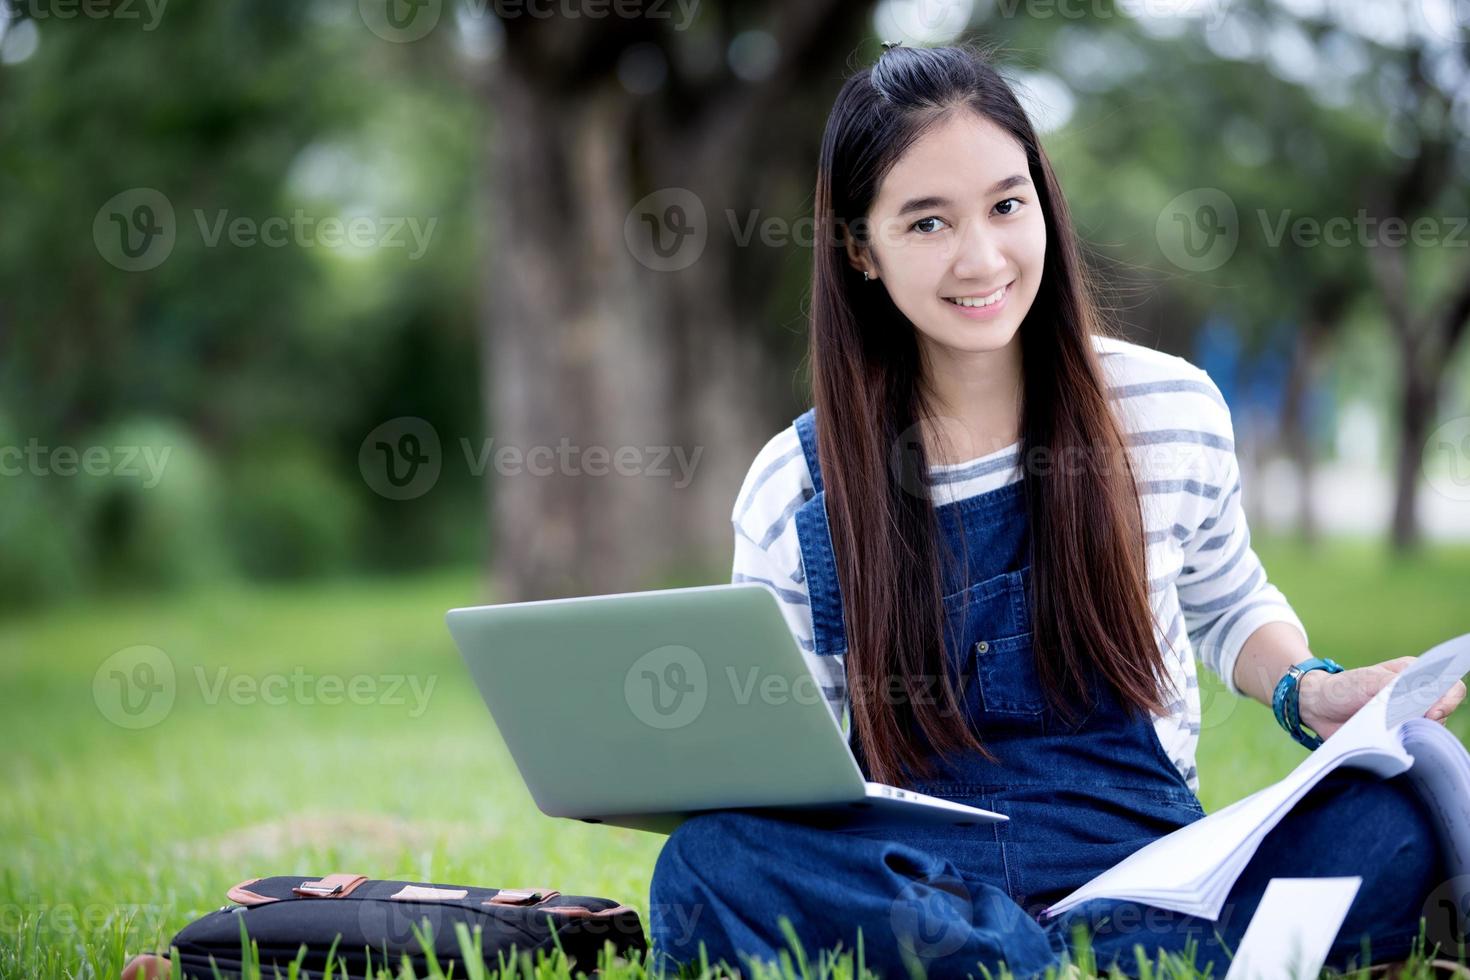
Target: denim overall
(1081, 796)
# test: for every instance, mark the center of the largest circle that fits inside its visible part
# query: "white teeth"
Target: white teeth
(978, 300)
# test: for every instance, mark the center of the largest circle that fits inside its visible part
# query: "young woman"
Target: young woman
(1001, 537)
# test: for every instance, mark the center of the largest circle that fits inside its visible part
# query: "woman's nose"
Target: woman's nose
(980, 257)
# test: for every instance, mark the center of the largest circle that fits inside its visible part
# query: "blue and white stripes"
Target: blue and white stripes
(1208, 590)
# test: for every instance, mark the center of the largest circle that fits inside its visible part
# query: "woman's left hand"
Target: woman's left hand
(1327, 701)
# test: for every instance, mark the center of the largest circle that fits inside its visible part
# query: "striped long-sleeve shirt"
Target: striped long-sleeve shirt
(1207, 589)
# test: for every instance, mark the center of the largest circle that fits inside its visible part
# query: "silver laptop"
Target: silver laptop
(643, 708)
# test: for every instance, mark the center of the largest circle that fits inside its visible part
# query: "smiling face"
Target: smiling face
(958, 218)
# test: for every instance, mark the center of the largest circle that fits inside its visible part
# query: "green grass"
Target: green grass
(114, 838)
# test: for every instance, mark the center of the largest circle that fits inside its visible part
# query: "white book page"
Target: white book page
(1292, 931)
(1191, 869)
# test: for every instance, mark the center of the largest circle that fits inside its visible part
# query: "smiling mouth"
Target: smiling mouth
(973, 302)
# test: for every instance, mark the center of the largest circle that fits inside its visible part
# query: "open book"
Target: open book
(1192, 869)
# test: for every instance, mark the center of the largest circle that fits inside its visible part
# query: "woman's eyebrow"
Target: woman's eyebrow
(935, 201)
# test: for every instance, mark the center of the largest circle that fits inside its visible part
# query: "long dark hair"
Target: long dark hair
(1089, 601)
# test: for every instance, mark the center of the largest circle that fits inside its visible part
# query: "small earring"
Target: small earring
(865, 275)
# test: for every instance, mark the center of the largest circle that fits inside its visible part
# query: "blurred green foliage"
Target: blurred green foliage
(258, 369)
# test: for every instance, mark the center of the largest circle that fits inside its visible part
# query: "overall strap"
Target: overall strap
(806, 430)
(817, 557)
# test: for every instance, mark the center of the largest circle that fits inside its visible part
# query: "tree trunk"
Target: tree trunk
(1416, 406)
(575, 367)
(1320, 321)
(586, 343)
(1294, 434)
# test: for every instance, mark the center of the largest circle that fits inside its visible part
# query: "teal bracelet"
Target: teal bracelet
(1285, 700)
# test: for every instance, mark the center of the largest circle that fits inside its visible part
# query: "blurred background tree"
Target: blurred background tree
(611, 210)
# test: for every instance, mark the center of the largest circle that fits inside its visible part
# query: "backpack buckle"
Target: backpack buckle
(330, 886)
(521, 896)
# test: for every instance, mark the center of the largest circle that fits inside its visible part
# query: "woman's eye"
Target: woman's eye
(1018, 201)
(916, 224)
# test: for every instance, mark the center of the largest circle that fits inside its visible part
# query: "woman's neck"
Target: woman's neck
(979, 402)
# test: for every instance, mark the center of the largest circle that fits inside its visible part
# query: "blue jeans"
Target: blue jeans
(724, 878)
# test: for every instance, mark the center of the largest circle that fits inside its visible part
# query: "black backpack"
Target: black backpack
(368, 923)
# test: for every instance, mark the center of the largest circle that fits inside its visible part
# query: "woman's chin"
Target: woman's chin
(974, 338)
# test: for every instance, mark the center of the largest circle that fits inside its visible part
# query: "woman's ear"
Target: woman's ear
(859, 259)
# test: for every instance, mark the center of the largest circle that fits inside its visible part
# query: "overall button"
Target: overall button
(982, 646)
